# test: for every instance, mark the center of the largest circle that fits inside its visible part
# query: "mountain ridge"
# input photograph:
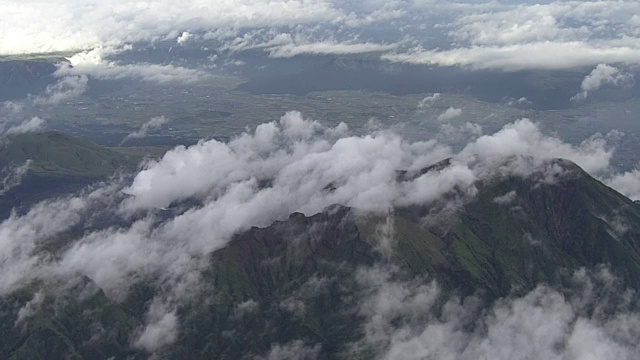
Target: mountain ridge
(300, 278)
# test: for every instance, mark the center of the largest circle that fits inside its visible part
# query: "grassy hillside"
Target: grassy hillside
(55, 154)
(57, 164)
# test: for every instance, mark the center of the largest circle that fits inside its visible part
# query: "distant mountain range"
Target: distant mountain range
(297, 279)
(19, 78)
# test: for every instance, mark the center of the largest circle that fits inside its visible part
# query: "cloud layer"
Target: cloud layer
(546, 323)
(481, 35)
(192, 201)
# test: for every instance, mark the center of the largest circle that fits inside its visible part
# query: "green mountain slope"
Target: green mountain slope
(300, 279)
(24, 75)
(55, 164)
(54, 154)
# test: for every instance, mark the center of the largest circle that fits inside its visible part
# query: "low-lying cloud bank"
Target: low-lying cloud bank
(406, 320)
(193, 200)
(502, 35)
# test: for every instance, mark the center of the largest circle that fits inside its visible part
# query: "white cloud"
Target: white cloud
(32, 125)
(286, 45)
(13, 106)
(449, 114)
(24, 232)
(327, 48)
(627, 183)
(67, 88)
(30, 308)
(185, 37)
(92, 63)
(557, 35)
(602, 75)
(538, 55)
(161, 328)
(429, 100)
(14, 176)
(403, 321)
(523, 101)
(74, 25)
(294, 350)
(461, 134)
(524, 138)
(153, 124)
(485, 35)
(253, 180)
(506, 199)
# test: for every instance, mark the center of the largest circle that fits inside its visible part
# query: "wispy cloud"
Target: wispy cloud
(34, 124)
(153, 124)
(602, 75)
(403, 321)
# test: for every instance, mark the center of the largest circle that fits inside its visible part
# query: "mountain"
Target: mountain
(300, 279)
(53, 163)
(54, 154)
(21, 77)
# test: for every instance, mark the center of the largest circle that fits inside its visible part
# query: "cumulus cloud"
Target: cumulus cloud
(403, 321)
(75, 26)
(186, 36)
(32, 125)
(539, 55)
(30, 308)
(293, 350)
(506, 199)
(73, 76)
(13, 176)
(627, 183)
(194, 199)
(161, 328)
(449, 114)
(459, 135)
(485, 35)
(521, 102)
(93, 63)
(512, 37)
(22, 234)
(524, 138)
(13, 106)
(65, 89)
(429, 100)
(602, 75)
(153, 124)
